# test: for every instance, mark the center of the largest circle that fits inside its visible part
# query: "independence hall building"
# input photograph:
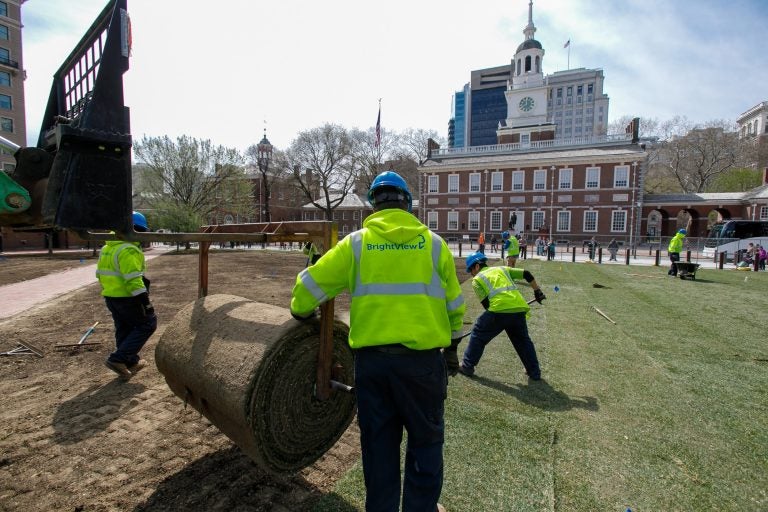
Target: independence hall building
(553, 171)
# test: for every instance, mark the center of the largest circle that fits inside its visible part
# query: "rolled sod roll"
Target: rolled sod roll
(250, 368)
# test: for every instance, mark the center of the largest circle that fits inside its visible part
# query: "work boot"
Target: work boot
(466, 371)
(120, 369)
(137, 367)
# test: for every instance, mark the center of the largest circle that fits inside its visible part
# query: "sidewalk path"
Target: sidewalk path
(18, 297)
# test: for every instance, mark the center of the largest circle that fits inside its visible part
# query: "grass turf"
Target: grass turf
(665, 410)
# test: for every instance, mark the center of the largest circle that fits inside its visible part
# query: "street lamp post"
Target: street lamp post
(264, 149)
(551, 200)
(632, 221)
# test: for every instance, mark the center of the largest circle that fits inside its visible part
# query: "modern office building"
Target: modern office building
(12, 118)
(573, 100)
(457, 126)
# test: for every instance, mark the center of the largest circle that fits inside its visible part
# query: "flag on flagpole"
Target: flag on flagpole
(567, 44)
(378, 127)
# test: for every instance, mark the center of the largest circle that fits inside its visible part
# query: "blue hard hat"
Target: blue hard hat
(475, 257)
(140, 222)
(682, 232)
(389, 179)
(505, 235)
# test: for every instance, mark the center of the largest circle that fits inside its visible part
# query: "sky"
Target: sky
(226, 70)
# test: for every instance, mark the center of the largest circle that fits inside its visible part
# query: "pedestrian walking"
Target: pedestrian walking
(125, 288)
(613, 248)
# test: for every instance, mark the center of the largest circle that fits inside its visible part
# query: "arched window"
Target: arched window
(527, 63)
(518, 66)
(538, 64)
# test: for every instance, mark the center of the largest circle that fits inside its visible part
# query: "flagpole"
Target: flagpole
(378, 139)
(569, 54)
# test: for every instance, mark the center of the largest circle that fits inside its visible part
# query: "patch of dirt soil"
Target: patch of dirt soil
(74, 438)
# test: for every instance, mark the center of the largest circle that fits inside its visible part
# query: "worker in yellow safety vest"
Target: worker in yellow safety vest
(406, 305)
(505, 310)
(674, 248)
(125, 289)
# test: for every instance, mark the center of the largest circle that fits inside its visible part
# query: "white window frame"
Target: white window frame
(453, 183)
(518, 181)
(432, 220)
(474, 182)
(539, 219)
(495, 220)
(497, 181)
(540, 179)
(617, 175)
(565, 179)
(764, 213)
(564, 221)
(473, 220)
(614, 215)
(590, 213)
(596, 181)
(433, 184)
(453, 221)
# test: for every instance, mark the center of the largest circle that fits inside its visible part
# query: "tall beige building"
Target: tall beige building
(12, 123)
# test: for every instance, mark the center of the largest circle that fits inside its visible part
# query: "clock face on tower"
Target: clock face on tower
(526, 104)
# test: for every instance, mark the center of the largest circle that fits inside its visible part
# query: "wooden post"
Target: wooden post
(626, 258)
(658, 258)
(722, 260)
(573, 255)
(202, 269)
(502, 251)
(688, 256)
(599, 254)
(325, 353)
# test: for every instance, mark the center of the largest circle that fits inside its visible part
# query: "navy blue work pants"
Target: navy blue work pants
(488, 326)
(397, 391)
(132, 328)
(674, 257)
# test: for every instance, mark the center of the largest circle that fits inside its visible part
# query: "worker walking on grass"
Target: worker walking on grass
(505, 310)
(406, 305)
(120, 272)
(674, 249)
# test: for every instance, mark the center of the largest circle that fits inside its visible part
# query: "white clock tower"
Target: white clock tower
(527, 93)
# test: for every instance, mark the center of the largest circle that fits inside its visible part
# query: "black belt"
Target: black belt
(397, 349)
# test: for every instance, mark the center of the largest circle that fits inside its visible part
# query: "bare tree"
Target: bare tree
(184, 177)
(367, 156)
(649, 126)
(413, 143)
(697, 158)
(322, 166)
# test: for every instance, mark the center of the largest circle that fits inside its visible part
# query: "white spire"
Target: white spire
(529, 29)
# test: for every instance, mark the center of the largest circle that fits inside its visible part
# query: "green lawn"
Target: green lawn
(664, 411)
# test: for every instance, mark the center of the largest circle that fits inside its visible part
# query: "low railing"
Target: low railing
(589, 140)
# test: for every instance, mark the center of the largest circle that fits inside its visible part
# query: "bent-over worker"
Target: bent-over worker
(505, 310)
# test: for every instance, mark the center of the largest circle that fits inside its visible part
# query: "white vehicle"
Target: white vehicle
(734, 236)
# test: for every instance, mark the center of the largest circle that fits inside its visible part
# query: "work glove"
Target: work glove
(539, 295)
(451, 357)
(309, 317)
(146, 306)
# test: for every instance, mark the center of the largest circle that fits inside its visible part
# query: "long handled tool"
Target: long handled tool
(603, 315)
(470, 332)
(82, 342)
(24, 349)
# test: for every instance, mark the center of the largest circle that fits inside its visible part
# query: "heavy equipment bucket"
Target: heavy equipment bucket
(79, 175)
